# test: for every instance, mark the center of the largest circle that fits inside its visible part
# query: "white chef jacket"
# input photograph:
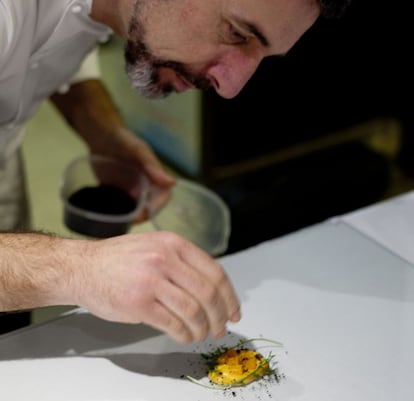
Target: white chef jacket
(43, 44)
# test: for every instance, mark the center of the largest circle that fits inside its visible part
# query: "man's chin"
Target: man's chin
(149, 92)
(156, 92)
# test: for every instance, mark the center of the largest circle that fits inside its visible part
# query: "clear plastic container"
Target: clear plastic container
(102, 197)
(196, 213)
(192, 210)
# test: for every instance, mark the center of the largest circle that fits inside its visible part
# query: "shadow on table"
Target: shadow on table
(80, 334)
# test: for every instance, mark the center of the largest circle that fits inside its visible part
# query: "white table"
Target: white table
(342, 304)
(390, 223)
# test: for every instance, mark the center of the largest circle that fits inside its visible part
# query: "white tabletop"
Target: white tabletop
(390, 223)
(342, 304)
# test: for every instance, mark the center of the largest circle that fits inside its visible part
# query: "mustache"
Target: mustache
(145, 67)
(198, 80)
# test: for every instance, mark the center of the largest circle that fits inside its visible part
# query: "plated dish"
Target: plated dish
(238, 365)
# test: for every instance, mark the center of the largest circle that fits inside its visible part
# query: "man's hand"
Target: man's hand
(159, 279)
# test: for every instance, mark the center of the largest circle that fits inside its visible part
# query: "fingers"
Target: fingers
(163, 319)
(158, 174)
(184, 307)
(218, 278)
(209, 299)
(193, 289)
(143, 216)
(205, 280)
(157, 198)
(152, 165)
(185, 317)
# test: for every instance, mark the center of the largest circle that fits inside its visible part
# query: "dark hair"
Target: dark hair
(333, 8)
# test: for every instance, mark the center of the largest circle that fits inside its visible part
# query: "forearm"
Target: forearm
(88, 108)
(35, 271)
(90, 111)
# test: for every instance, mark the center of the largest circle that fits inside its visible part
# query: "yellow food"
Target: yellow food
(238, 367)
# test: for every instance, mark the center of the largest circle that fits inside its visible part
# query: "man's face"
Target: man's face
(175, 45)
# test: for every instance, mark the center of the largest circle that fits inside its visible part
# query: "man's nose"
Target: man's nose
(231, 73)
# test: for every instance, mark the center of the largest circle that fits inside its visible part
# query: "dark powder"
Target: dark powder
(105, 199)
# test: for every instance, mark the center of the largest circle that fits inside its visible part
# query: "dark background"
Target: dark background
(341, 73)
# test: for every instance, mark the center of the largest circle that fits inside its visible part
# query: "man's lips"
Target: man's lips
(181, 84)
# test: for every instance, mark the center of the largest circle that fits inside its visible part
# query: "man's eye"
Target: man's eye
(237, 38)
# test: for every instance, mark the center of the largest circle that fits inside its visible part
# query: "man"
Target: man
(170, 46)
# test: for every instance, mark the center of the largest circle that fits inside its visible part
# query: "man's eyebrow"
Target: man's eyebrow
(255, 31)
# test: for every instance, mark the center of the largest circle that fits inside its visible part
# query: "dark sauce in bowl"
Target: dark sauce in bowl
(105, 200)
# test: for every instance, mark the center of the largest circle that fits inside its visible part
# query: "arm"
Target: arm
(156, 278)
(89, 109)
